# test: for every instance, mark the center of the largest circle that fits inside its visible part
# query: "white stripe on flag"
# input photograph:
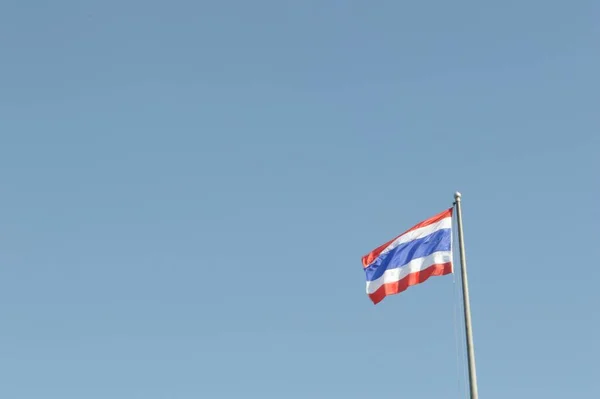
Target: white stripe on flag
(445, 223)
(415, 265)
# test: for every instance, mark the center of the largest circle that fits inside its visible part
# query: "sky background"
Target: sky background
(187, 188)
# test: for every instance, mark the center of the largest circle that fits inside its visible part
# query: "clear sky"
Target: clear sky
(187, 188)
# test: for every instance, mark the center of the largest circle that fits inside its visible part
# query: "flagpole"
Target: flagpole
(466, 302)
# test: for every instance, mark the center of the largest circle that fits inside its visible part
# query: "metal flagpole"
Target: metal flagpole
(466, 302)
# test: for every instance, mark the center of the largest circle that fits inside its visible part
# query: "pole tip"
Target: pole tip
(457, 196)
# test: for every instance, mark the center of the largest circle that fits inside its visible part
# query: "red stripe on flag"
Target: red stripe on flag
(371, 256)
(410, 280)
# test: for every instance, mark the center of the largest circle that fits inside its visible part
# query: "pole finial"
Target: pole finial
(457, 196)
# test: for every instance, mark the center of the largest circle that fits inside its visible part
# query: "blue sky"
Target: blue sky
(187, 189)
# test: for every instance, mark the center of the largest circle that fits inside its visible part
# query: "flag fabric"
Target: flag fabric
(422, 251)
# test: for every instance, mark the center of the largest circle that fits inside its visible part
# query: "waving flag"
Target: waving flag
(423, 251)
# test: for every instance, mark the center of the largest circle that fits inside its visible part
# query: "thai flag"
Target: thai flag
(423, 251)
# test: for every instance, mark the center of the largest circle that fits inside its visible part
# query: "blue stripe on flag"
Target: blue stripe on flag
(404, 253)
